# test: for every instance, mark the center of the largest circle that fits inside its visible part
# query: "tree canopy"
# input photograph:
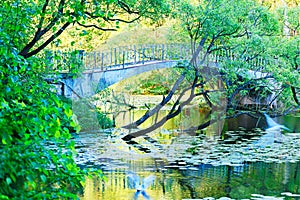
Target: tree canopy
(250, 32)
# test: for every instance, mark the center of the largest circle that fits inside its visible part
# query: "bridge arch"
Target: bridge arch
(92, 81)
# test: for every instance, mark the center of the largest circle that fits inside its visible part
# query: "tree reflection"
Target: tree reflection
(208, 181)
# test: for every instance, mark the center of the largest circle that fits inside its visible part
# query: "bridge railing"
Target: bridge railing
(223, 55)
(126, 56)
(122, 57)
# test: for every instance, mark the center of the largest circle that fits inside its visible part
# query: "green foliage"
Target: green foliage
(142, 35)
(36, 148)
(104, 121)
(157, 82)
(248, 33)
(151, 87)
(209, 18)
(89, 117)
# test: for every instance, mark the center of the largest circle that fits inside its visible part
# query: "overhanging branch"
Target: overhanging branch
(48, 41)
(126, 7)
(165, 100)
(176, 109)
(40, 32)
(97, 27)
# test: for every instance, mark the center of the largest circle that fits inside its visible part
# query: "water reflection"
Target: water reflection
(140, 185)
(191, 116)
(203, 181)
(188, 166)
(180, 174)
(194, 116)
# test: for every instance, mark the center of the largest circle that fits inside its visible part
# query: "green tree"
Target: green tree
(252, 65)
(245, 34)
(192, 19)
(53, 17)
(36, 148)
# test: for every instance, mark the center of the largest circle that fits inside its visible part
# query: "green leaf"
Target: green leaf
(70, 19)
(68, 112)
(70, 166)
(4, 141)
(8, 181)
(57, 134)
(3, 197)
(44, 178)
(73, 124)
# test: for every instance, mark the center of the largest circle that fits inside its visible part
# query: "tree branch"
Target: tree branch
(173, 112)
(212, 121)
(53, 37)
(107, 19)
(243, 87)
(39, 33)
(124, 21)
(165, 100)
(125, 7)
(97, 27)
(295, 95)
(42, 17)
(197, 52)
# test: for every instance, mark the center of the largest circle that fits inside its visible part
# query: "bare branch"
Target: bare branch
(107, 19)
(125, 7)
(295, 95)
(124, 21)
(199, 49)
(200, 127)
(172, 113)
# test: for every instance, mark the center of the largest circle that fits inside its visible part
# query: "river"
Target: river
(239, 163)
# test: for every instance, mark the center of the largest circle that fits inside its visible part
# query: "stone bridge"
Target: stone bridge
(102, 69)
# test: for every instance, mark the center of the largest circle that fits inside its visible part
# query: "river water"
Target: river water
(243, 161)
